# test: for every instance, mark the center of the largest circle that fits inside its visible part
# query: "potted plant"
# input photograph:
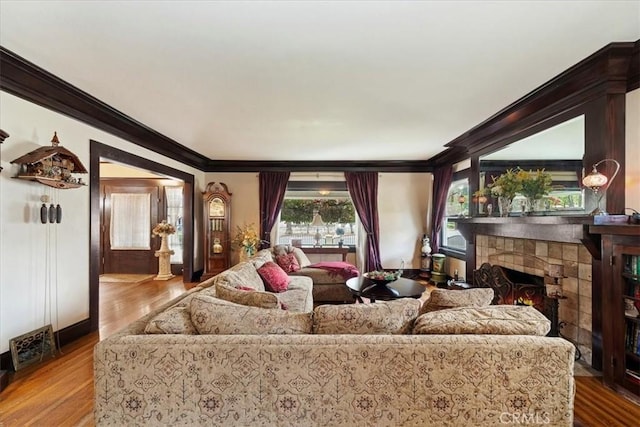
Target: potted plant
(535, 185)
(505, 188)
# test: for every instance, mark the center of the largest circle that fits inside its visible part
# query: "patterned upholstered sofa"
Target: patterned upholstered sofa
(355, 364)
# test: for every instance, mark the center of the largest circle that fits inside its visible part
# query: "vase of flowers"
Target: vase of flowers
(163, 229)
(247, 240)
(505, 188)
(535, 185)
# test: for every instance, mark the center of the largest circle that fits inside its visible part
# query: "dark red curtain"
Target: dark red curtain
(441, 182)
(272, 186)
(363, 188)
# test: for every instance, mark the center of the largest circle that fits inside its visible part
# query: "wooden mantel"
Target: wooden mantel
(566, 229)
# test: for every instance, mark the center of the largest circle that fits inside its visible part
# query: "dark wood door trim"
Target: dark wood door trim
(102, 151)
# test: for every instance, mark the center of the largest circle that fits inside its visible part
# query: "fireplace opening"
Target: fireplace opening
(512, 287)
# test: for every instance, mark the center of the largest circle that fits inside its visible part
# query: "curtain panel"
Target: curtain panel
(441, 182)
(130, 225)
(272, 187)
(363, 188)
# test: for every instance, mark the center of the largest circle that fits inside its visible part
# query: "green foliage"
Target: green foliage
(297, 211)
(300, 211)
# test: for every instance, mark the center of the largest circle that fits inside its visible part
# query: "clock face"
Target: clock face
(216, 208)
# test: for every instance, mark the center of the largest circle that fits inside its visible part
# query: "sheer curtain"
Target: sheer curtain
(272, 187)
(130, 225)
(175, 216)
(363, 188)
(441, 182)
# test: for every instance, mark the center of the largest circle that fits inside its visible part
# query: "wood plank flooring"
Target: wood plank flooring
(59, 392)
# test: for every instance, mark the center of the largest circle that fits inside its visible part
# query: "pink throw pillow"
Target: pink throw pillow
(288, 262)
(274, 277)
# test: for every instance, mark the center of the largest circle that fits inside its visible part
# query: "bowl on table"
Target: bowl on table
(382, 277)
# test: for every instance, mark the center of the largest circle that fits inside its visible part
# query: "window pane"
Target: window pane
(130, 227)
(325, 221)
(175, 216)
(457, 205)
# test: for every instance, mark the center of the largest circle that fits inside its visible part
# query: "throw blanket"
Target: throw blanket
(344, 269)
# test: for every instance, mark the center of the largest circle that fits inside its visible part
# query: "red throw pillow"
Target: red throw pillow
(274, 277)
(288, 262)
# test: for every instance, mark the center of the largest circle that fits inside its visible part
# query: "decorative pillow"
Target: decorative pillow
(274, 277)
(244, 320)
(383, 317)
(281, 250)
(251, 297)
(440, 299)
(174, 320)
(493, 320)
(302, 258)
(288, 262)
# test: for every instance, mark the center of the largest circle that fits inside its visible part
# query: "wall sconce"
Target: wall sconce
(596, 181)
(324, 192)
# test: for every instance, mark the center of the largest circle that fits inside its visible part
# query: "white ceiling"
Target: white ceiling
(381, 80)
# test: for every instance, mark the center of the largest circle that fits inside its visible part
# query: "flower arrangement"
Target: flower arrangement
(247, 239)
(536, 184)
(506, 185)
(163, 228)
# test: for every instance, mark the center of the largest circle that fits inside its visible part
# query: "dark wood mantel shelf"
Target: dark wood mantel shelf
(567, 229)
(564, 229)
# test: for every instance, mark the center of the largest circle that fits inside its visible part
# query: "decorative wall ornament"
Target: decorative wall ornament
(53, 166)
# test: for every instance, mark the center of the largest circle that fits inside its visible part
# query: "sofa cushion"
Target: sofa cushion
(275, 278)
(247, 275)
(302, 258)
(288, 262)
(493, 320)
(250, 298)
(383, 317)
(211, 318)
(174, 320)
(298, 296)
(441, 299)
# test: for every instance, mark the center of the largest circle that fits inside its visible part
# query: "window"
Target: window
(175, 216)
(457, 206)
(317, 214)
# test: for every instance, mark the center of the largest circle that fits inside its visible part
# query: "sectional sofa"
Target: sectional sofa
(202, 359)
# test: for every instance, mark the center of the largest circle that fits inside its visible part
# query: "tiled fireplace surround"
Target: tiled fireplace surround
(531, 257)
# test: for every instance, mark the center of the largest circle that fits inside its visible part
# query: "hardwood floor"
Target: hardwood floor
(59, 392)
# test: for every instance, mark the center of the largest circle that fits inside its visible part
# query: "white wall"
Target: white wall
(403, 199)
(632, 148)
(38, 259)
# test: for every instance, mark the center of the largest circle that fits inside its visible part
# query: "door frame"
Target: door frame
(98, 151)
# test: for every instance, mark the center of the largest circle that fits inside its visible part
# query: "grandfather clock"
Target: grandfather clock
(217, 229)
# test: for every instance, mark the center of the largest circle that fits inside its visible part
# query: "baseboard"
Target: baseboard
(62, 337)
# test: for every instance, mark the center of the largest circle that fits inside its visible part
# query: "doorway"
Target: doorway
(100, 152)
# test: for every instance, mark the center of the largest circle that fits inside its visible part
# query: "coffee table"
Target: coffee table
(361, 287)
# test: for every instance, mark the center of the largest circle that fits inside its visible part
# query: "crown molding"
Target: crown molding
(318, 166)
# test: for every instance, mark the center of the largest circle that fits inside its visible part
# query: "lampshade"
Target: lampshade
(317, 220)
(597, 181)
